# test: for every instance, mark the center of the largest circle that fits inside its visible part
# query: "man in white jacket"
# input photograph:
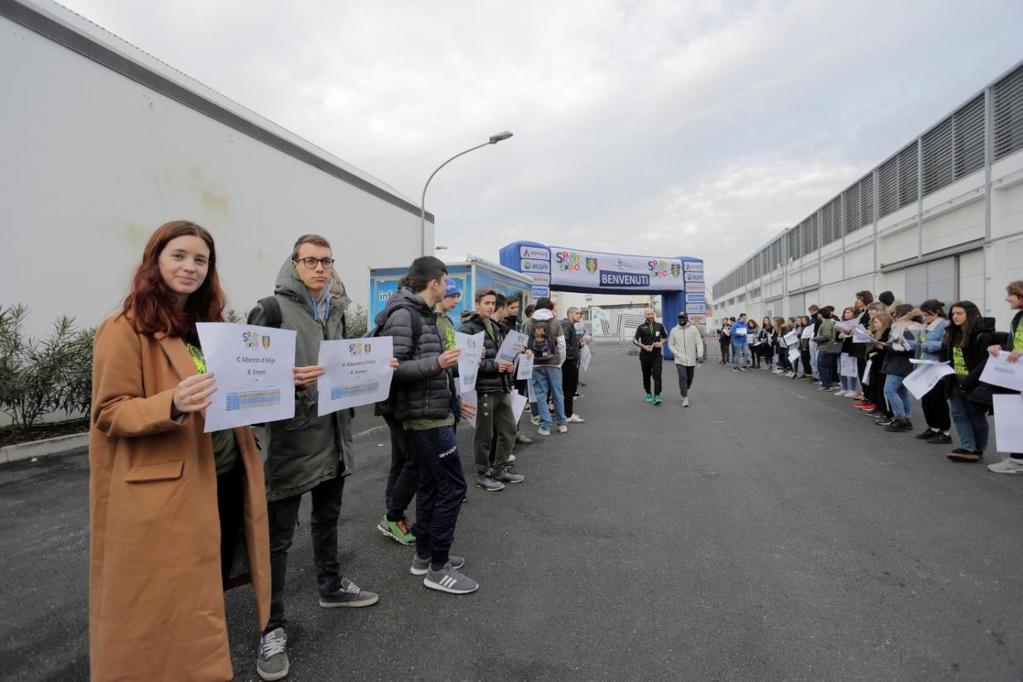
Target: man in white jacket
(686, 344)
(546, 341)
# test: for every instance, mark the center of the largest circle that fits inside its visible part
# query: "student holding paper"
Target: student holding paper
(176, 515)
(1013, 344)
(494, 418)
(308, 453)
(934, 403)
(422, 405)
(903, 343)
(965, 345)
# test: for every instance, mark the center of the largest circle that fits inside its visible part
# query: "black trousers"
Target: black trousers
(935, 407)
(440, 494)
(231, 505)
(569, 384)
(686, 375)
(403, 476)
(726, 345)
(651, 365)
(326, 498)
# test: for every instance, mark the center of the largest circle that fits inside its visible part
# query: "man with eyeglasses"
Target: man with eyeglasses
(307, 453)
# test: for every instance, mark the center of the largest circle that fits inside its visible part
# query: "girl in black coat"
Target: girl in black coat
(965, 345)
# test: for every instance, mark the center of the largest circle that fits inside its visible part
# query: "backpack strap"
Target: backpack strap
(271, 311)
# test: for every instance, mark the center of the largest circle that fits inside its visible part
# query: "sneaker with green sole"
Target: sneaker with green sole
(400, 531)
(649, 398)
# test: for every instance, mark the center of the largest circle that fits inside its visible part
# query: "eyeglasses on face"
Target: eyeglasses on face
(311, 263)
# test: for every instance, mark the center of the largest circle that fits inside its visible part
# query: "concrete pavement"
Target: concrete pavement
(766, 532)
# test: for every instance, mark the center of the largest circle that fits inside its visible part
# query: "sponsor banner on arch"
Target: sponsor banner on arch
(575, 268)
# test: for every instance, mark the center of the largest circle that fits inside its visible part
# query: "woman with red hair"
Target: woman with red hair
(177, 515)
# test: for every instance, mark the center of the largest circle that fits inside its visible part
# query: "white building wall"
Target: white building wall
(94, 162)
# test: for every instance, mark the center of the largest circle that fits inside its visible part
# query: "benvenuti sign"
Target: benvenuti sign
(589, 269)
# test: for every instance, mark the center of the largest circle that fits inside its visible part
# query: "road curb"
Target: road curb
(61, 445)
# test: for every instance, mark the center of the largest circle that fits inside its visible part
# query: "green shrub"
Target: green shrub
(38, 377)
(356, 321)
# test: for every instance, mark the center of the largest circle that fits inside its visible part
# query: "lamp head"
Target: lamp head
(497, 137)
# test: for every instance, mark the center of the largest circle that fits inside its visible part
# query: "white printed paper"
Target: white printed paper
(794, 355)
(518, 404)
(807, 332)
(845, 326)
(924, 378)
(861, 335)
(469, 398)
(791, 339)
(741, 331)
(1008, 422)
(358, 373)
(254, 380)
(1000, 372)
(513, 344)
(849, 366)
(525, 369)
(585, 356)
(918, 361)
(469, 360)
(865, 379)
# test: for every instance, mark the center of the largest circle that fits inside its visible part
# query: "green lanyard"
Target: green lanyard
(197, 358)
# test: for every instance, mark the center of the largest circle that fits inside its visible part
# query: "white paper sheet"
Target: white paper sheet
(849, 366)
(513, 344)
(794, 354)
(525, 369)
(518, 404)
(999, 372)
(845, 326)
(253, 367)
(791, 339)
(1008, 422)
(865, 379)
(861, 335)
(924, 378)
(807, 332)
(918, 361)
(469, 398)
(358, 373)
(585, 356)
(469, 360)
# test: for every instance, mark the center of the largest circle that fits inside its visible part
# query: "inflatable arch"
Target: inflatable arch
(678, 279)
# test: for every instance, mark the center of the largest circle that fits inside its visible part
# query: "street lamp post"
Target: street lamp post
(494, 139)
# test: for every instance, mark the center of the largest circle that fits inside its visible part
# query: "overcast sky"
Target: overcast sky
(662, 128)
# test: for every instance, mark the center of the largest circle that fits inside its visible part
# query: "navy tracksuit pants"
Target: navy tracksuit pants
(440, 493)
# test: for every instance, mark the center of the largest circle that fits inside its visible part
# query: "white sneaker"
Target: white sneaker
(1007, 466)
(576, 419)
(840, 394)
(535, 420)
(543, 431)
(685, 402)
(511, 458)
(562, 428)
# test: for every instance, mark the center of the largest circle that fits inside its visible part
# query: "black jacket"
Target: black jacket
(975, 354)
(489, 379)
(420, 385)
(571, 341)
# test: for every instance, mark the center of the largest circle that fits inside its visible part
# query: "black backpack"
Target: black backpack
(543, 339)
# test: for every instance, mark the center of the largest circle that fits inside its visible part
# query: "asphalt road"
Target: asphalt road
(767, 532)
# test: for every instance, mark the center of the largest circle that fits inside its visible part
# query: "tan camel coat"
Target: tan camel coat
(156, 602)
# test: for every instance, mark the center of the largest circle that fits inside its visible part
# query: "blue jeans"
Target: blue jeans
(740, 350)
(547, 379)
(897, 396)
(849, 383)
(970, 420)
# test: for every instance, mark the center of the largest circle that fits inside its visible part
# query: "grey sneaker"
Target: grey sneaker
(272, 661)
(534, 420)
(1007, 466)
(544, 431)
(420, 566)
(525, 440)
(487, 482)
(449, 580)
(509, 475)
(349, 595)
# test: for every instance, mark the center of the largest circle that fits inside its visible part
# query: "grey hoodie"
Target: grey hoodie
(306, 450)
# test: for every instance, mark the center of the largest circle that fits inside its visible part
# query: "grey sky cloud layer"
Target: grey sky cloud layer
(659, 127)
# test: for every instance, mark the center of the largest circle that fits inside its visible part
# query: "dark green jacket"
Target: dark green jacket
(306, 450)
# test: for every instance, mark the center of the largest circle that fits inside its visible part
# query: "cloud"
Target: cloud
(697, 126)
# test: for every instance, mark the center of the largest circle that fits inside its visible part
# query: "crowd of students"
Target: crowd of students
(866, 352)
(178, 516)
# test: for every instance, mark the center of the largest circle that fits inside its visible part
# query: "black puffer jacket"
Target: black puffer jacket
(489, 379)
(420, 385)
(571, 340)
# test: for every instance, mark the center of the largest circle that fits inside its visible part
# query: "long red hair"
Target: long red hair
(150, 303)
